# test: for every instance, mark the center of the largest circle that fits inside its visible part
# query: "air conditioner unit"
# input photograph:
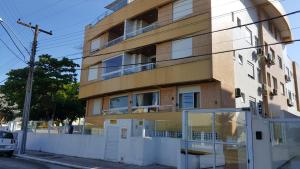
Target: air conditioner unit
(238, 93)
(260, 52)
(290, 103)
(287, 78)
(274, 92)
(270, 60)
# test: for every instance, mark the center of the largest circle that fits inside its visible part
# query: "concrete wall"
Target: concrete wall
(87, 146)
(134, 150)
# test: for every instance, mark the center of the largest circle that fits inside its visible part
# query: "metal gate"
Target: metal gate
(216, 138)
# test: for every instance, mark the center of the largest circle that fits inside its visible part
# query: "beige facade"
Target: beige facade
(147, 31)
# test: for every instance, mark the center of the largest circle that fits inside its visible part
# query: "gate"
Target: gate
(216, 138)
(285, 139)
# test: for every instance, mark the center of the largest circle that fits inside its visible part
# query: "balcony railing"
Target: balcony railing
(127, 71)
(142, 30)
(123, 110)
(114, 42)
(107, 13)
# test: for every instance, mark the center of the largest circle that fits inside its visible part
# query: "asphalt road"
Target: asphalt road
(16, 163)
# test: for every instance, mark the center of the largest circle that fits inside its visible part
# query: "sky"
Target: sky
(67, 19)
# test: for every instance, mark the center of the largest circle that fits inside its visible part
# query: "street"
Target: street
(16, 163)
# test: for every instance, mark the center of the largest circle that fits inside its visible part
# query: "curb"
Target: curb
(51, 162)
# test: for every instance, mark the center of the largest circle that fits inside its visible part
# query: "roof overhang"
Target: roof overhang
(273, 9)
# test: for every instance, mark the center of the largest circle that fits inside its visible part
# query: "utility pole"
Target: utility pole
(27, 102)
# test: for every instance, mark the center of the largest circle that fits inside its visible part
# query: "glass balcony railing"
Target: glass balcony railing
(114, 41)
(142, 30)
(127, 71)
(112, 9)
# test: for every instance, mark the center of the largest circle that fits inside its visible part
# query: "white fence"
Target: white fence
(134, 150)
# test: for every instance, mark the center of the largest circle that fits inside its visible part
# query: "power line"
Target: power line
(17, 38)
(177, 28)
(12, 51)
(193, 56)
(71, 35)
(201, 34)
(13, 40)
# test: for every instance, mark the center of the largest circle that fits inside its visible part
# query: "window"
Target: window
(95, 45)
(250, 70)
(259, 76)
(189, 98)
(6, 135)
(145, 99)
(280, 62)
(119, 104)
(241, 61)
(182, 48)
(256, 41)
(275, 85)
(269, 79)
(266, 48)
(282, 89)
(97, 106)
(93, 73)
(112, 67)
(239, 22)
(145, 102)
(271, 27)
(273, 54)
(182, 8)
(248, 35)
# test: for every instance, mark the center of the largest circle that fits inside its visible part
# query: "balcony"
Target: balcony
(115, 35)
(130, 62)
(142, 23)
(141, 109)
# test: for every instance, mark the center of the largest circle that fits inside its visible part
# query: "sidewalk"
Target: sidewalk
(82, 163)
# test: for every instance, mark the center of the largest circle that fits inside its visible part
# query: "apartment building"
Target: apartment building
(152, 59)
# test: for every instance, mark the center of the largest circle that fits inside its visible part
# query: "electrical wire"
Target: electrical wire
(13, 41)
(11, 51)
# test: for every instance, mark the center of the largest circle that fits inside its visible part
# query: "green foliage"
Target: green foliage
(7, 113)
(54, 93)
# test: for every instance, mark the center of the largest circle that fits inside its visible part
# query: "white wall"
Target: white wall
(87, 146)
(225, 14)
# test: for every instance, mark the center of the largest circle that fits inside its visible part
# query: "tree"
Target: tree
(7, 113)
(54, 89)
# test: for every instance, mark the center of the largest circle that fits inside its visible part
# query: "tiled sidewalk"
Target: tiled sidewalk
(85, 163)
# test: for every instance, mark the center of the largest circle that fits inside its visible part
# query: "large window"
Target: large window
(182, 8)
(182, 48)
(189, 98)
(93, 73)
(112, 67)
(95, 45)
(145, 102)
(119, 104)
(97, 106)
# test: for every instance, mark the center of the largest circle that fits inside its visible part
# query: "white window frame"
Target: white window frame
(93, 73)
(185, 90)
(182, 8)
(95, 44)
(144, 92)
(95, 110)
(182, 48)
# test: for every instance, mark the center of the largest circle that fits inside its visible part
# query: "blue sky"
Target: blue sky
(67, 19)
